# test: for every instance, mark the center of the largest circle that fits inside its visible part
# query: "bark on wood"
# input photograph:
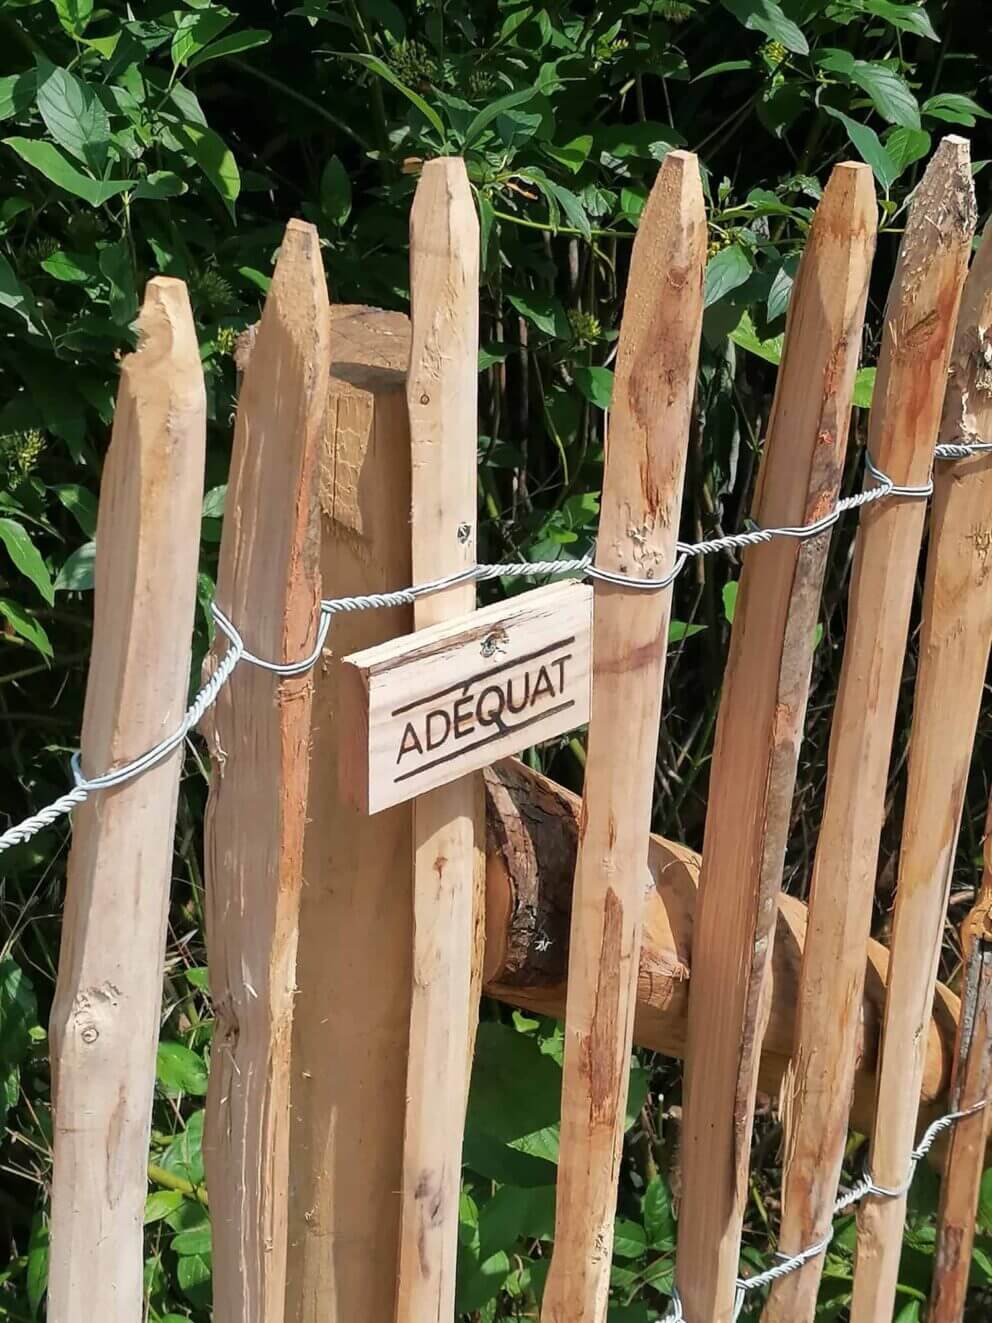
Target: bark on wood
(954, 650)
(532, 841)
(758, 737)
(642, 494)
(269, 586)
(356, 922)
(105, 1017)
(441, 396)
(920, 316)
(971, 1086)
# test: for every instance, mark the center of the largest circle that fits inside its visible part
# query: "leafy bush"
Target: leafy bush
(179, 141)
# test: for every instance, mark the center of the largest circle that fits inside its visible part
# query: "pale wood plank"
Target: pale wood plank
(758, 737)
(919, 321)
(972, 1084)
(352, 1012)
(955, 637)
(642, 494)
(269, 586)
(530, 861)
(105, 1017)
(442, 385)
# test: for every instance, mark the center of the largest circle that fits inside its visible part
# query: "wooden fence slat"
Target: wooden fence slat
(972, 1084)
(442, 387)
(758, 737)
(919, 321)
(532, 839)
(955, 637)
(642, 493)
(269, 586)
(105, 1017)
(352, 1015)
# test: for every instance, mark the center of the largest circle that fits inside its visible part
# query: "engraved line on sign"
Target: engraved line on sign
(463, 685)
(489, 739)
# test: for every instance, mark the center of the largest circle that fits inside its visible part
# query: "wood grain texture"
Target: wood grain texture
(352, 1012)
(905, 417)
(971, 1085)
(269, 585)
(758, 737)
(955, 637)
(450, 699)
(531, 847)
(105, 1017)
(642, 494)
(442, 385)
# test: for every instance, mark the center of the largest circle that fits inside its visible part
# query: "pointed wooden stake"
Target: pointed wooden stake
(919, 322)
(955, 637)
(642, 495)
(971, 1085)
(442, 386)
(269, 586)
(105, 1018)
(759, 733)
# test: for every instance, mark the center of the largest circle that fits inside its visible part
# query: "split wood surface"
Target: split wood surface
(442, 386)
(971, 1085)
(532, 842)
(954, 650)
(919, 321)
(758, 737)
(105, 1017)
(356, 919)
(269, 585)
(642, 494)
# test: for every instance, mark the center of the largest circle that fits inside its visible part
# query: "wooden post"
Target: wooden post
(954, 650)
(352, 1016)
(533, 832)
(105, 1017)
(642, 494)
(442, 386)
(758, 737)
(909, 388)
(269, 586)
(972, 1084)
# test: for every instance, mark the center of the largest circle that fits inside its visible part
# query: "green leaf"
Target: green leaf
(193, 1272)
(73, 115)
(574, 211)
(179, 1070)
(573, 155)
(485, 116)
(335, 192)
(26, 557)
(161, 1203)
(115, 264)
(910, 17)
(659, 1219)
(906, 146)
(18, 1012)
(767, 17)
(213, 502)
(747, 338)
(16, 93)
(196, 1241)
(26, 626)
(955, 108)
(76, 575)
(215, 159)
(725, 272)
(497, 1161)
(629, 1240)
(516, 1088)
(246, 40)
(17, 297)
(864, 385)
(50, 162)
(729, 600)
(384, 72)
(985, 1202)
(159, 186)
(542, 310)
(681, 629)
(37, 1275)
(890, 94)
(869, 147)
(596, 384)
(780, 290)
(74, 15)
(196, 31)
(512, 1215)
(72, 268)
(184, 1156)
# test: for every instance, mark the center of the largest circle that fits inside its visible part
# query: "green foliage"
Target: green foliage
(177, 140)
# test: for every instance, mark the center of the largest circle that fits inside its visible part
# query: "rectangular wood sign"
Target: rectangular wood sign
(427, 708)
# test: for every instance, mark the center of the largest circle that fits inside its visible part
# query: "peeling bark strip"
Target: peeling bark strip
(442, 386)
(642, 494)
(105, 1017)
(759, 732)
(905, 415)
(955, 637)
(269, 584)
(533, 837)
(971, 1085)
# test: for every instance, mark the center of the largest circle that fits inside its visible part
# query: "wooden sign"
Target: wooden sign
(457, 696)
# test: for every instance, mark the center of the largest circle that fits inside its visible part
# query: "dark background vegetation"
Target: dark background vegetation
(180, 141)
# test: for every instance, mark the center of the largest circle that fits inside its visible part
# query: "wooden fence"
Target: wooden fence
(347, 952)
